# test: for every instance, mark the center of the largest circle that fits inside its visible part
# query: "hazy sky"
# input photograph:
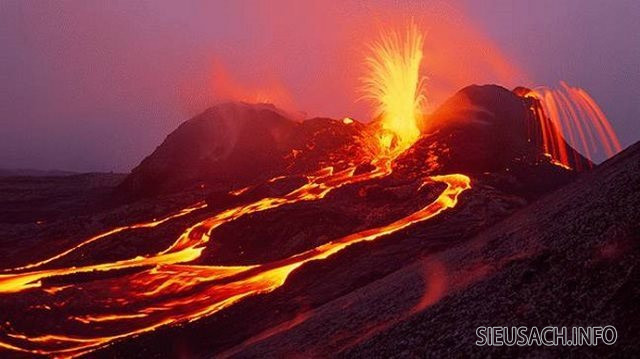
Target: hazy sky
(97, 85)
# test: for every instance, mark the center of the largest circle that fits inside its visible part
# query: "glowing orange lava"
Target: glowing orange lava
(171, 292)
(571, 114)
(396, 87)
(163, 288)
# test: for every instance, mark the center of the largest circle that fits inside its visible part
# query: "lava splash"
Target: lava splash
(396, 87)
(570, 113)
(142, 293)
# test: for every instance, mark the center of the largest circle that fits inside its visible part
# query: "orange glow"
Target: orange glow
(167, 288)
(283, 327)
(571, 114)
(170, 292)
(151, 224)
(395, 85)
(240, 191)
(227, 88)
(435, 278)
(103, 318)
(143, 293)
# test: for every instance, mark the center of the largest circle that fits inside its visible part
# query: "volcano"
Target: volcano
(235, 144)
(479, 129)
(281, 230)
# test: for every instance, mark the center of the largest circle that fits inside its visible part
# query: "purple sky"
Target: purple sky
(95, 85)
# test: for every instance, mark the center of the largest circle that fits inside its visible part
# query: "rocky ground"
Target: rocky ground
(63, 210)
(569, 259)
(531, 243)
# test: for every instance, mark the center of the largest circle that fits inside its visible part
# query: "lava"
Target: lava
(170, 292)
(167, 288)
(570, 113)
(150, 224)
(395, 85)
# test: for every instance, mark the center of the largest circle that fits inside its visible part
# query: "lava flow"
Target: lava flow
(161, 289)
(570, 113)
(171, 292)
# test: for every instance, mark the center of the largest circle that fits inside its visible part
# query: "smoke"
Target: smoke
(96, 86)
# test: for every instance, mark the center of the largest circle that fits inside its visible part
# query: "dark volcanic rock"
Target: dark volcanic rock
(480, 129)
(228, 143)
(235, 144)
(570, 259)
(321, 142)
(488, 131)
(369, 288)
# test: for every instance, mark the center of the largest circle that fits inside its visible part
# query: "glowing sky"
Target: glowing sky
(95, 86)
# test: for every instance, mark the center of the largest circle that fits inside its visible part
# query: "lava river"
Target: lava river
(162, 289)
(140, 294)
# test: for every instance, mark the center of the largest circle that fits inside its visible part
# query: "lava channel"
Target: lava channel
(165, 289)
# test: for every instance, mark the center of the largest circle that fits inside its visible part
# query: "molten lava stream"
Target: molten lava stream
(98, 312)
(570, 113)
(151, 224)
(80, 317)
(190, 244)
